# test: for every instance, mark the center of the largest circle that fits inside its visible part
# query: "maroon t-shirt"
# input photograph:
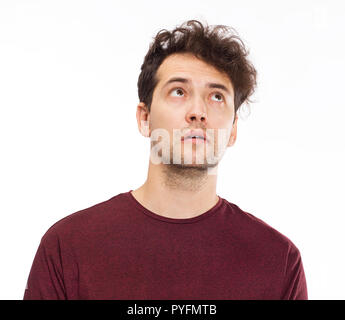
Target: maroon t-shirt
(117, 249)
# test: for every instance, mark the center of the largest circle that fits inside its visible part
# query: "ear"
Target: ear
(143, 118)
(233, 134)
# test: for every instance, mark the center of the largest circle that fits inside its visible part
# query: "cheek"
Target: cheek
(161, 120)
(167, 118)
(220, 119)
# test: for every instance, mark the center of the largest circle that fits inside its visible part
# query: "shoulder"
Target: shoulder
(255, 231)
(276, 255)
(88, 221)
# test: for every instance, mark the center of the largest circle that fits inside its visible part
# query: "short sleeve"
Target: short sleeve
(45, 281)
(294, 283)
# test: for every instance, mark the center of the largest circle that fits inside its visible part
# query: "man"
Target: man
(174, 237)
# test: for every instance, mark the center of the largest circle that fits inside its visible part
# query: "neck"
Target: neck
(178, 191)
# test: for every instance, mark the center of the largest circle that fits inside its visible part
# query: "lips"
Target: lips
(194, 137)
(196, 134)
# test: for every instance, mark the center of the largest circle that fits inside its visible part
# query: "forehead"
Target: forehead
(188, 66)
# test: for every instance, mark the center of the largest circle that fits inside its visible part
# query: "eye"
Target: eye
(179, 92)
(219, 97)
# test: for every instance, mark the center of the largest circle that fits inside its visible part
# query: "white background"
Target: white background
(69, 137)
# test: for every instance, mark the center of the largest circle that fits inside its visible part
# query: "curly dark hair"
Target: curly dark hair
(217, 45)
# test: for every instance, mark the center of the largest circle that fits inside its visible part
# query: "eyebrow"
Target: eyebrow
(212, 85)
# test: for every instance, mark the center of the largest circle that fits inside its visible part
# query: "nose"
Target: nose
(197, 112)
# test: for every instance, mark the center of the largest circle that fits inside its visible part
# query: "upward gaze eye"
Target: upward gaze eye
(218, 96)
(179, 92)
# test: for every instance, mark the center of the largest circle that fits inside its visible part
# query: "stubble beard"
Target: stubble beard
(186, 176)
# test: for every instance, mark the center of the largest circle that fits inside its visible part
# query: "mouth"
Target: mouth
(194, 139)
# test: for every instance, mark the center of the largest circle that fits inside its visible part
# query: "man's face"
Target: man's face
(193, 95)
